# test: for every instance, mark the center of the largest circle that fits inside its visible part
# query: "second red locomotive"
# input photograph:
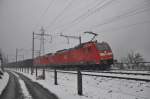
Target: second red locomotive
(88, 55)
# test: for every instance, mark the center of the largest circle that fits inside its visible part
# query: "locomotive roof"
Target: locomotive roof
(76, 47)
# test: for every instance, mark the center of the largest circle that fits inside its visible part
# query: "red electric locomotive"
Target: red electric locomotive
(89, 55)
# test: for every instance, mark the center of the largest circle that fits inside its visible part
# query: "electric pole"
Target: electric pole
(16, 55)
(32, 53)
(79, 74)
(42, 49)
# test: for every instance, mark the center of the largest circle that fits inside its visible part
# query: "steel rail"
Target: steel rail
(98, 75)
(145, 74)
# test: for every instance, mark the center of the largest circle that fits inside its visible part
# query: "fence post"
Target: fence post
(24, 69)
(28, 69)
(36, 73)
(43, 73)
(79, 82)
(55, 77)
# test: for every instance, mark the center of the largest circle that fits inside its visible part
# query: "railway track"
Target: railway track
(127, 73)
(142, 77)
(146, 74)
(120, 77)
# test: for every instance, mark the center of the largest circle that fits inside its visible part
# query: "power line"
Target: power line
(82, 14)
(60, 14)
(128, 13)
(126, 26)
(45, 11)
(83, 7)
(88, 13)
(124, 15)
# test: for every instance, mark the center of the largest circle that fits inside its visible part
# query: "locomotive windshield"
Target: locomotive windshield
(103, 46)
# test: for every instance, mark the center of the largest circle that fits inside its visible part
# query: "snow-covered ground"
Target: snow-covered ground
(24, 90)
(3, 81)
(94, 87)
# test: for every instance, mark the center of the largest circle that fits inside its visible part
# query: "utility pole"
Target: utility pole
(32, 52)
(42, 50)
(7, 59)
(79, 74)
(16, 58)
(16, 55)
(42, 41)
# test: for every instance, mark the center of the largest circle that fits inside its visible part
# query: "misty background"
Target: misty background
(124, 24)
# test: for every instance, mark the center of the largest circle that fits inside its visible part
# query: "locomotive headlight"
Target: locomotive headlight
(110, 53)
(102, 54)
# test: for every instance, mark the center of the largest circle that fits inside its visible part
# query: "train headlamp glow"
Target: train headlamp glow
(104, 54)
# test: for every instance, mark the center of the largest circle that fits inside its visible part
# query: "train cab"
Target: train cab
(105, 53)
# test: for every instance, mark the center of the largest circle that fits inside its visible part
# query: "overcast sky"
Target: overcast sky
(124, 24)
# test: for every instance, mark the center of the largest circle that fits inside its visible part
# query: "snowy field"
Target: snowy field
(3, 81)
(94, 87)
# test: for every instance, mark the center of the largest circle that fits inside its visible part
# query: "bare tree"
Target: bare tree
(132, 59)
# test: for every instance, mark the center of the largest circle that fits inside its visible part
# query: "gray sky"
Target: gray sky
(124, 24)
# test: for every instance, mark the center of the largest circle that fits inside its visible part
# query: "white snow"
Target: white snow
(4, 81)
(94, 87)
(25, 90)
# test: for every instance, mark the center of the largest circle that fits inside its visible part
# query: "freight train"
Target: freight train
(89, 55)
